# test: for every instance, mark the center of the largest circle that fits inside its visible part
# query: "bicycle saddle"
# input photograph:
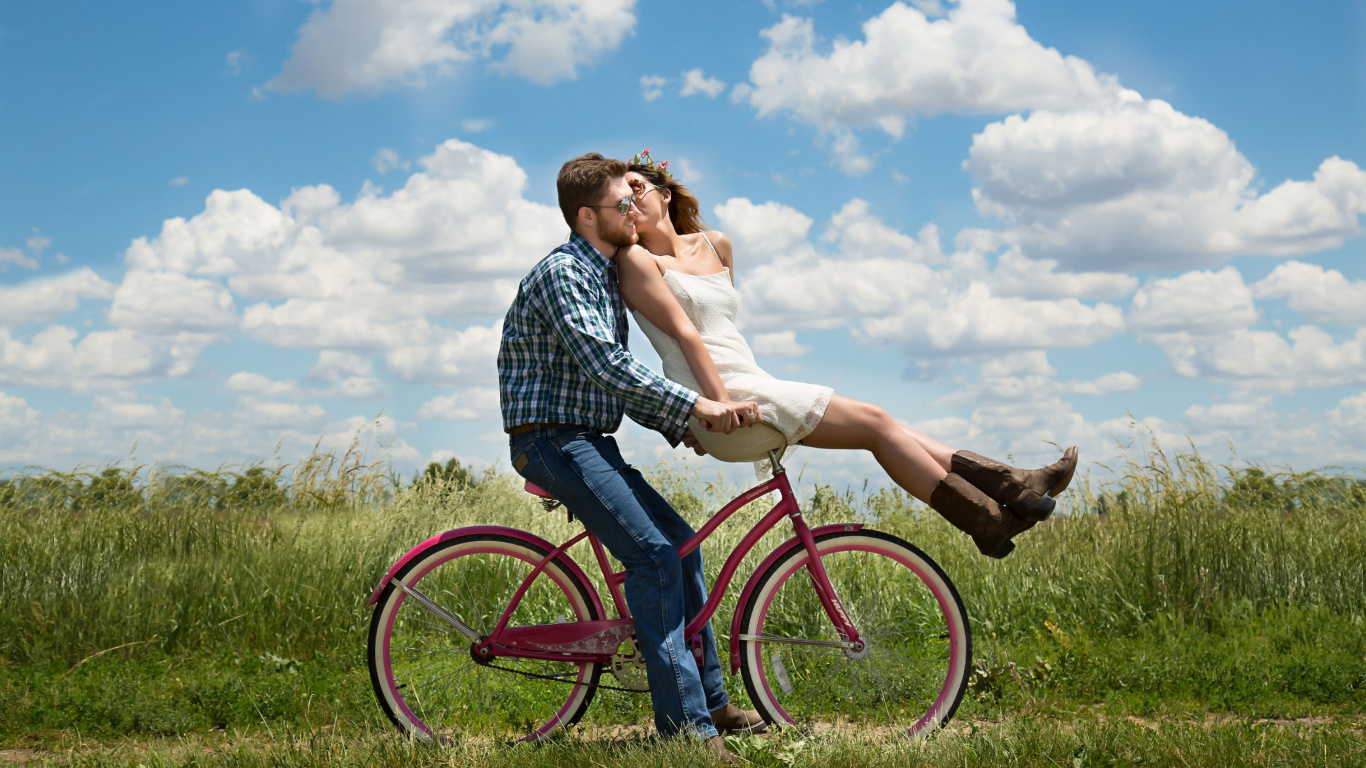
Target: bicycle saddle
(743, 445)
(536, 490)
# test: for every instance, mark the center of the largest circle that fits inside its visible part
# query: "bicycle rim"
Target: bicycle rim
(423, 672)
(913, 672)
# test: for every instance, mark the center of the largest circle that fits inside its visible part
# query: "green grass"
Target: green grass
(182, 604)
(1074, 744)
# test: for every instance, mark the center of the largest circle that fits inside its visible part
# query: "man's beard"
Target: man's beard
(616, 236)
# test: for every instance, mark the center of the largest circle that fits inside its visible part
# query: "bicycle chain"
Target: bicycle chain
(562, 680)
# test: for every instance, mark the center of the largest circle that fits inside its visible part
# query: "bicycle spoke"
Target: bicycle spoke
(908, 654)
(442, 685)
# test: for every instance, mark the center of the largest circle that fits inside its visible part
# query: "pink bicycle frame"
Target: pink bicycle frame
(596, 641)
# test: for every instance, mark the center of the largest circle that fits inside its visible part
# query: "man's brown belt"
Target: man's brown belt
(522, 429)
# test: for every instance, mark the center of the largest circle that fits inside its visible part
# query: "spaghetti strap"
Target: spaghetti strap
(713, 248)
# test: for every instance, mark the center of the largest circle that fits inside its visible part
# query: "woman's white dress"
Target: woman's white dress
(711, 302)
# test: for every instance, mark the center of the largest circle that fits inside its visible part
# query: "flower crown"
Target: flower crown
(644, 159)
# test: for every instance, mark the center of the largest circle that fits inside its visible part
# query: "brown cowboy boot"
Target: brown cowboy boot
(732, 719)
(1026, 492)
(1054, 478)
(976, 514)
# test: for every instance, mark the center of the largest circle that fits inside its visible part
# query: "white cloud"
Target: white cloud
(861, 234)
(1017, 275)
(849, 156)
(397, 273)
(234, 227)
(370, 45)
(1139, 184)
(1089, 175)
(468, 405)
(1264, 360)
(1194, 303)
(38, 242)
(1107, 384)
(1203, 322)
(16, 418)
(309, 418)
(977, 60)
(686, 170)
(385, 272)
(972, 320)
(170, 302)
(449, 357)
(102, 360)
(178, 181)
(779, 344)
(334, 366)
(695, 82)
(353, 374)
(46, 299)
(16, 257)
(1350, 415)
(1322, 295)
(250, 382)
(760, 232)
(652, 86)
(884, 286)
(386, 160)
(236, 61)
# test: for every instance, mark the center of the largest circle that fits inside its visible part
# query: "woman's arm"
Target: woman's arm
(644, 289)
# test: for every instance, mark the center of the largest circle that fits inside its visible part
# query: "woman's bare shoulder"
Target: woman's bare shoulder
(638, 258)
(723, 249)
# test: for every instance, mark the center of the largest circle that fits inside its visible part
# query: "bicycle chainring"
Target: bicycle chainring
(629, 667)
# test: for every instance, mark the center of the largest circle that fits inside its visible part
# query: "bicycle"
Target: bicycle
(496, 631)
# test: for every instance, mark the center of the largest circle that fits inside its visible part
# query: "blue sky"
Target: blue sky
(228, 227)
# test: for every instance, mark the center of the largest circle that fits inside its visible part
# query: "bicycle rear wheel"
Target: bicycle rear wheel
(423, 672)
(912, 673)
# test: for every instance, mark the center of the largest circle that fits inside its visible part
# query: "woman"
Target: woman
(679, 283)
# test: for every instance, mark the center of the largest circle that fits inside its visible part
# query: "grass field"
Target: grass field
(1180, 614)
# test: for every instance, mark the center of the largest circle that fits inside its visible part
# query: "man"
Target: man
(565, 379)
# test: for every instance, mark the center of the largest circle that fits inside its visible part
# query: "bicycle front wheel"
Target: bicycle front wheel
(426, 678)
(913, 670)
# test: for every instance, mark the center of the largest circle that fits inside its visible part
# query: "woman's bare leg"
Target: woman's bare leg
(849, 423)
(942, 454)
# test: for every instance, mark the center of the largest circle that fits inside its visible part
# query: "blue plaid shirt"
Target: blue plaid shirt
(563, 357)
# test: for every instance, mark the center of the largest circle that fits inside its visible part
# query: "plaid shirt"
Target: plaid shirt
(563, 357)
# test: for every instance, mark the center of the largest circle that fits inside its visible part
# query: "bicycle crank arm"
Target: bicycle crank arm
(844, 644)
(441, 613)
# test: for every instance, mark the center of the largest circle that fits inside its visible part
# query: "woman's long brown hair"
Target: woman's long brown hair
(684, 210)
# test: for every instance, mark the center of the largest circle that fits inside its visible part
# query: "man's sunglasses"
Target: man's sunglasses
(623, 207)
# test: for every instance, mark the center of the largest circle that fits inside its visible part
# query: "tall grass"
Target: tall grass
(254, 561)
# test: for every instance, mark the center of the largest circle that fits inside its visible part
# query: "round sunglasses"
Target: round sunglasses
(623, 206)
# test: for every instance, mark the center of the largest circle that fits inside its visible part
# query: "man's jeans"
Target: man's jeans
(584, 469)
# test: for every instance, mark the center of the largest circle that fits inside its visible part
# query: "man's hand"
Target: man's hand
(726, 417)
(690, 441)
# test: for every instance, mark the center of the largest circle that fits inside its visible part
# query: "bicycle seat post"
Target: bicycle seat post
(775, 459)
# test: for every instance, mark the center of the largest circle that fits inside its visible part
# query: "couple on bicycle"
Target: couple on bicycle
(566, 377)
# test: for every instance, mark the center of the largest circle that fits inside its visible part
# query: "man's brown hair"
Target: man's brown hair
(583, 180)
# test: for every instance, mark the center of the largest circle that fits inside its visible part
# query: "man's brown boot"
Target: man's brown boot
(717, 745)
(971, 511)
(732, 719)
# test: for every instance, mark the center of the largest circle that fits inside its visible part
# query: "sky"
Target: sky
(230, 231)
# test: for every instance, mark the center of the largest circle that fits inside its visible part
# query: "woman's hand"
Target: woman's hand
(726, 417)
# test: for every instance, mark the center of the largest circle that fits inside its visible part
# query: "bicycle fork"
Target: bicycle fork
(830, 601)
